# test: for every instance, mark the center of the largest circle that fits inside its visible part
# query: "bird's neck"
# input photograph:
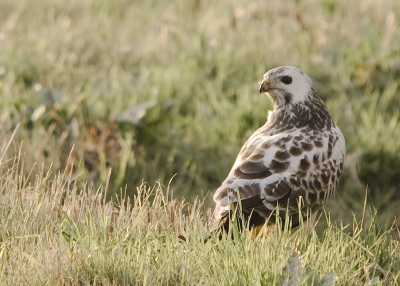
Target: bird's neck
(312, 115)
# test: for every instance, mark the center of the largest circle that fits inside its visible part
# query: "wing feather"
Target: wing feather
(278, 178)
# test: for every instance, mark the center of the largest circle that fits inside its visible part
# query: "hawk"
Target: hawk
(291, 165)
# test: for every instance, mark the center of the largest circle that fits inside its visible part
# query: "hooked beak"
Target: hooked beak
(264, 87)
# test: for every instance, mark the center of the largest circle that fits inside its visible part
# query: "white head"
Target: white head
(286, 85)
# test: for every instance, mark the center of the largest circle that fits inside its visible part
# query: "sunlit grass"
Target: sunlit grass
(161, 90)
(105, 95)
(55, 232)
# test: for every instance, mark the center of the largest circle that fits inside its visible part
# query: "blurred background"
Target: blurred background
(167, 91)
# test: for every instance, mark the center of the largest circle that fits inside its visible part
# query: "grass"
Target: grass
(54, 232)
(99, 97)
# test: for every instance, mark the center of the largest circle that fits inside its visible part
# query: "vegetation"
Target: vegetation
(54, 233)
(99, 97)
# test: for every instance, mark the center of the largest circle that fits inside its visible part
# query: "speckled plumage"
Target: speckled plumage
(298, 153)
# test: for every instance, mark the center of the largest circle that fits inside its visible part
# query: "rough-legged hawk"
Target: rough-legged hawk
(295, 159)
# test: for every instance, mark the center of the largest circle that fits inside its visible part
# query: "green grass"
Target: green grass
(158, 90)
(97, 93)
(53, 232)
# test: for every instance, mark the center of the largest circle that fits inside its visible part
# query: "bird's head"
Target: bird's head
(286, 85)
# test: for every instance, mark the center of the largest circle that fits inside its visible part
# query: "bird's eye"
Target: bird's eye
(287, 80)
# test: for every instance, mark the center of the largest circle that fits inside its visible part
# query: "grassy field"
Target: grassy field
(54, 233)
(102, 100)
